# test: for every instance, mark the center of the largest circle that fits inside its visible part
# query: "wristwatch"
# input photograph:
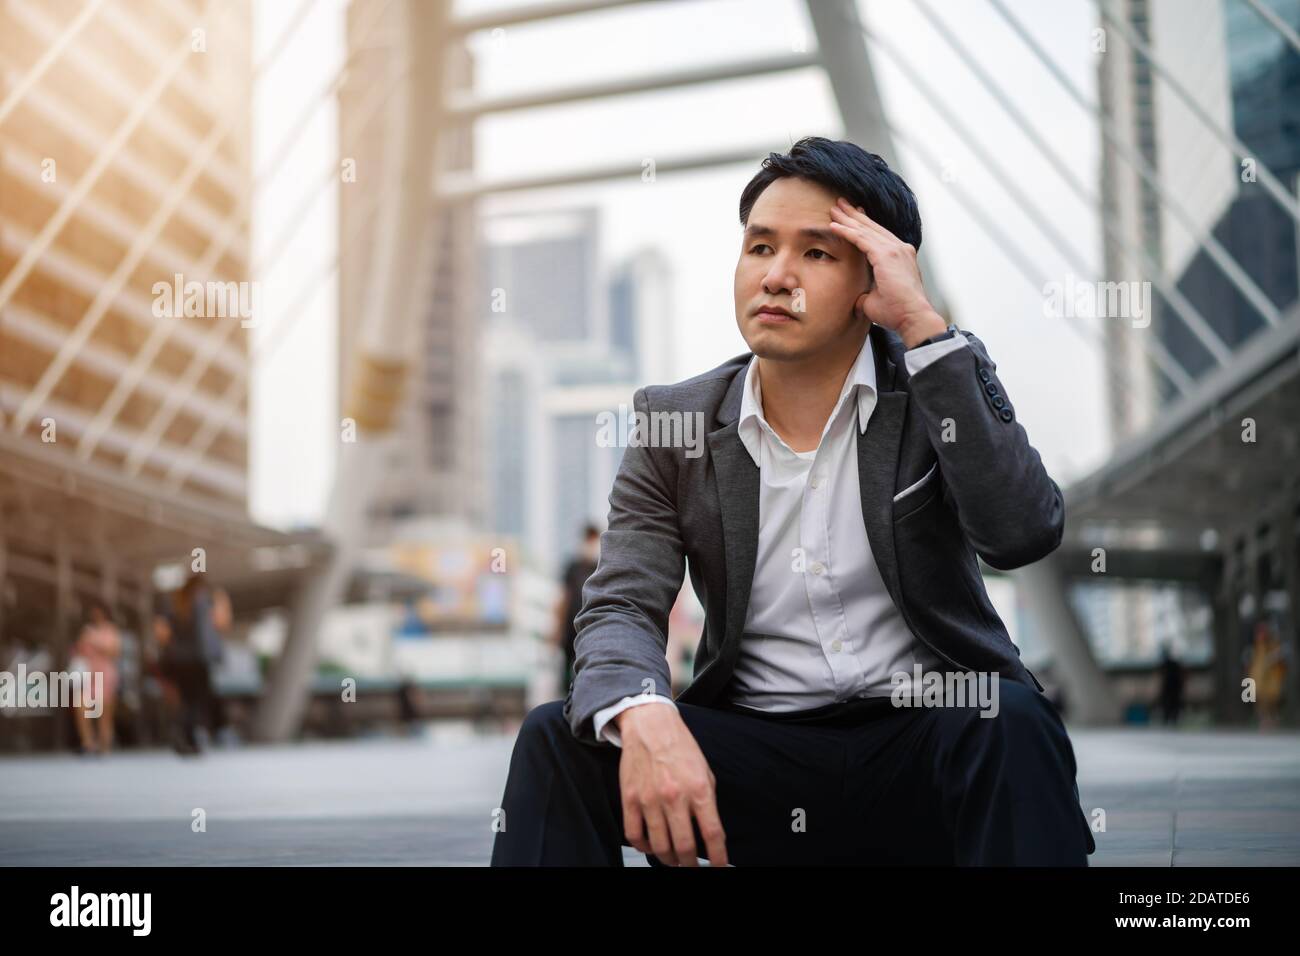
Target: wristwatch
(947, 334)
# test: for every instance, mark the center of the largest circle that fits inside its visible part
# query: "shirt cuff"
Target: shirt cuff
(601, 721)
(923, 355)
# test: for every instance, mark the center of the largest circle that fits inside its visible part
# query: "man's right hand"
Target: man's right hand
(665, 782)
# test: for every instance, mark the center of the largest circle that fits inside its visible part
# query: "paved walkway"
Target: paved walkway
(1170, 798)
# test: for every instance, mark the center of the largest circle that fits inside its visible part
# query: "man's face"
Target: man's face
(790, 259)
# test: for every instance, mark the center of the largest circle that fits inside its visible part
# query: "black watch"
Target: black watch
(947, 334)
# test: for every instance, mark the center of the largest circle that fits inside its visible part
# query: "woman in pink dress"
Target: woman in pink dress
(97, 649)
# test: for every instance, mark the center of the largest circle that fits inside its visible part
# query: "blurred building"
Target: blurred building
(124, 177)
(542, 273)
(567, 345)
(106, 193)
(641, 316)
(1246, 77)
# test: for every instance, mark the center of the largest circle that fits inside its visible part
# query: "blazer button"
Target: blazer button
(991, 387)
(1005, 415)
(983, 374)
(997, 401)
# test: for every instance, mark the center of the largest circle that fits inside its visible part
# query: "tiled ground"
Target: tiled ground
(1170, 798)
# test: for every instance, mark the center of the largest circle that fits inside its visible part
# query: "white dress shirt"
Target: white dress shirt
(820, 626)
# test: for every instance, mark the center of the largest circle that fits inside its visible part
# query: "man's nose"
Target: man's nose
(779, 277)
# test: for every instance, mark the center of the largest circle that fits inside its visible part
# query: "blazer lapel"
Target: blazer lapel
(877, 462)
(738, 480)
(878, 459)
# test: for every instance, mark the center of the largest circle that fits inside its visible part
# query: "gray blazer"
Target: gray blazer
(929, 506)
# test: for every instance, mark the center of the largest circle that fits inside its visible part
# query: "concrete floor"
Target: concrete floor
(1170, 799)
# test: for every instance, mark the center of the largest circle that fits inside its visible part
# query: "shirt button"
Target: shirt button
(835, 646)
(818, 567)
(816, 481)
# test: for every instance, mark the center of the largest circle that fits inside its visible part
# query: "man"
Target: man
(855, 464)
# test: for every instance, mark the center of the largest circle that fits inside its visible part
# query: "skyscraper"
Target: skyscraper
(561, 359)
(123, 166)
(126, 304)
(1246, 77)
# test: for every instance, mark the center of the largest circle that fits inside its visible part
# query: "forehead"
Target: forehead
(794, 207)
(790, 197)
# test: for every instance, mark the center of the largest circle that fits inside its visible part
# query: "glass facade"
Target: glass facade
(1264, 73)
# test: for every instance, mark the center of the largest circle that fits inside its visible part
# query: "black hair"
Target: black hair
(97, 604)
(846, 170)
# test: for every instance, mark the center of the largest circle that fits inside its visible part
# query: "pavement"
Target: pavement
(1168, 798)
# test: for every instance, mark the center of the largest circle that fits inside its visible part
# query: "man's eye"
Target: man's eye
(761, 245)
(822, 251)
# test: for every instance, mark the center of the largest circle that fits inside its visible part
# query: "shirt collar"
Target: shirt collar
(863, 374)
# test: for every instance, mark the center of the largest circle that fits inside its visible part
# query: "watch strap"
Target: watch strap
(946, 334)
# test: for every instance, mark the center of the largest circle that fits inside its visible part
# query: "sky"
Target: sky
(1052, 376)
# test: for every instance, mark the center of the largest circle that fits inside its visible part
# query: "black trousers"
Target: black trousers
(856, 783)
(193, 680)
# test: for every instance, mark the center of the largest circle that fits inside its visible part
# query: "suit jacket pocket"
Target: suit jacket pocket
(917, 494)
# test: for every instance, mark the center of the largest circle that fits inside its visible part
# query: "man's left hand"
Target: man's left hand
(897, 298)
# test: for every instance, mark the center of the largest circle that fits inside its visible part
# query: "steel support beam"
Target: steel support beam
(847, 62)
(398, 300)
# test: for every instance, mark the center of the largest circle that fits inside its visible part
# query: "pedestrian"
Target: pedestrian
(576, 572)
(1171, 686)
(96, 653)
(192, 649)
(1268, 671)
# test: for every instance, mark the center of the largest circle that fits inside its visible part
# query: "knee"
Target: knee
(1027, 726)
(1021, 704)
(1016, 715)
(543, 721)
(545, 731)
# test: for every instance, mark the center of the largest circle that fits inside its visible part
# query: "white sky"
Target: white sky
(1052, 377)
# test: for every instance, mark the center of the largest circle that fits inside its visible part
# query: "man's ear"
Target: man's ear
(859, 307)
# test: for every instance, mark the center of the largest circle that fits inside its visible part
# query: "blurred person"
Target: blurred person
(1171, 686)
(96, 651)
(191, 638)
(158, 686)
(1268, 671)
(832, 527)
(25, 653)
(410, 701)
(580, 567)
(130, 667)
(30, 655)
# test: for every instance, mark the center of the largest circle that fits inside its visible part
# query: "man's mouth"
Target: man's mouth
(773, 314)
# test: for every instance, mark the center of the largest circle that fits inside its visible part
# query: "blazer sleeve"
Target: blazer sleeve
(1010, 509)
(622, 629)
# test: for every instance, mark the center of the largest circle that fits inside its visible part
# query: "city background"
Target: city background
(448, 237)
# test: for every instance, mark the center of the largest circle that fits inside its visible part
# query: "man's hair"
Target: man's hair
(846, 170)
